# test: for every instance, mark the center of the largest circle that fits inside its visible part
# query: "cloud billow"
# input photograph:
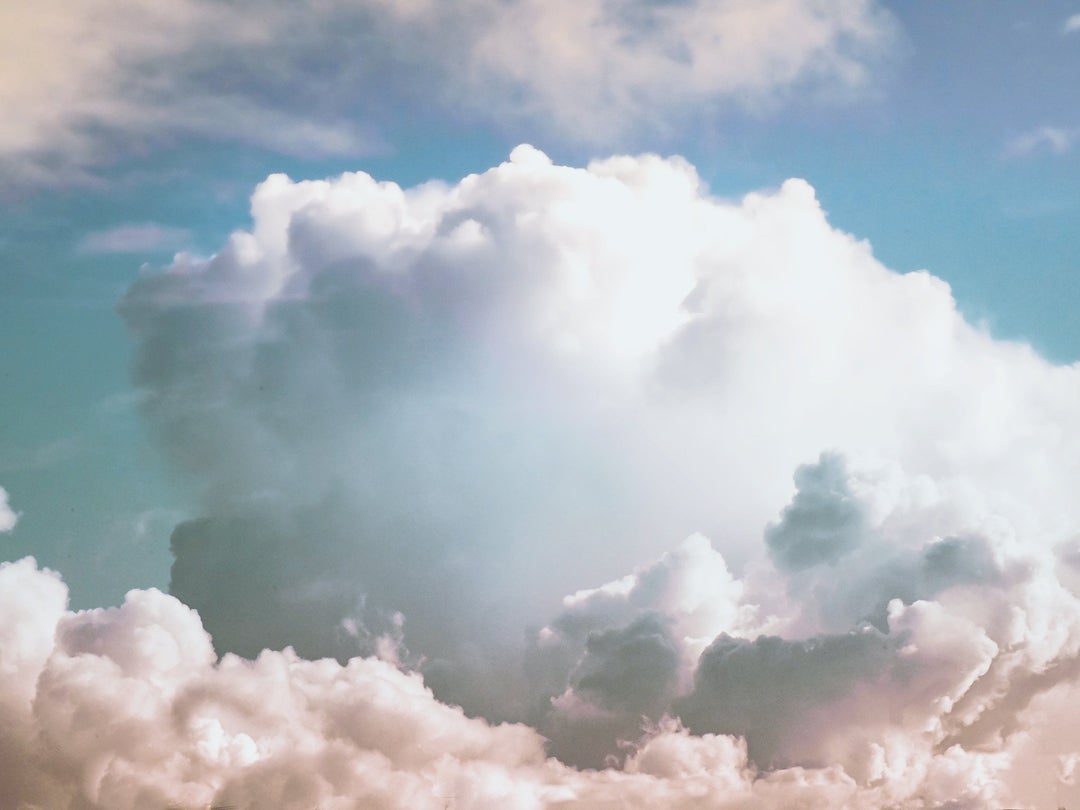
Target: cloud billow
(822, 523)
(460, 429)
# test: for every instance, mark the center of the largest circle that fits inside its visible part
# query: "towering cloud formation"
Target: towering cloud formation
(422, 417)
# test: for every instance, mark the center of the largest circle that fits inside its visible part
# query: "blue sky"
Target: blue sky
(945, 135)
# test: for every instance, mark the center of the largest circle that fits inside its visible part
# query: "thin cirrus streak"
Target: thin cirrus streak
(686, 502)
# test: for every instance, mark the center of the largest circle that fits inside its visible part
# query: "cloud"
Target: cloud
(1071, 25)
(143, 237)
(623, 651)
(427, 422)
(402, 400)
(85, 85)
(8, 517)
(1058, 140)
(763, 688)
(892, 536)
(129, 707)
(90, 83)
(627, 60)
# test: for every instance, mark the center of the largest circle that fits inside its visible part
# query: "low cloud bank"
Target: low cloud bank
(129, 708)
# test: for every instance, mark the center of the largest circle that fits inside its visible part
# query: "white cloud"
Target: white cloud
(1055, 139)
(1071, 25)
(85, 83)
(423, 416)
(596, 66)
(143, 237)
(8, 517)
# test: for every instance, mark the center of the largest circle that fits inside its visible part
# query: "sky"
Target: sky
(528, 403)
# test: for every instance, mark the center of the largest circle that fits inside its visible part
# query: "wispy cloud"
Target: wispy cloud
(1058, 140)
(374, 385)
(144, 237)
(81, 83)
(1071, 25)
(8, 517)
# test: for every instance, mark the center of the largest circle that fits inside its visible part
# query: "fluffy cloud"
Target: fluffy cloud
(321, 78)
(420, 417)
(8, 517)
(1054, 139)
(622, 652)
(129, 707)
(475, 392)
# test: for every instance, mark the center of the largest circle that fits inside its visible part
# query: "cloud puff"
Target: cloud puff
(420, 417)
(129, 707)
(318, 79)
(822, 523)
(8, 517)
(623, 651)
(1071, 24)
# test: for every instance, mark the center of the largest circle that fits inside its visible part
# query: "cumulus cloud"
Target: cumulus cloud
(8, 517)
(426, 422)
(316, 79)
